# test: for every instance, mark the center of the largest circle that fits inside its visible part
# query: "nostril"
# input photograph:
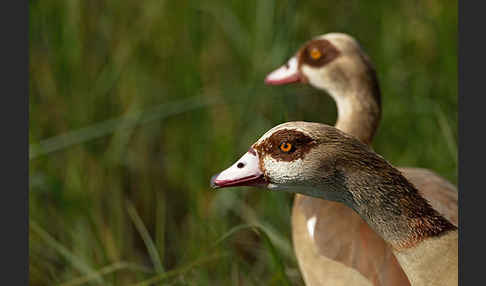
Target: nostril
(240, 165)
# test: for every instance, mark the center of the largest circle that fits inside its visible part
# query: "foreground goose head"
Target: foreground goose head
(299, 157)
(320, 161)
(302, 157)
(335, 63)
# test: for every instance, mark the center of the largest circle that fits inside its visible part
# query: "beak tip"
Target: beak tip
(212, 182)
(268, 81)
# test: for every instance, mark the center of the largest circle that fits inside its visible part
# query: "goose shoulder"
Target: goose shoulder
(438, 191)
(337, 64)
(317, 160)
(341, 242)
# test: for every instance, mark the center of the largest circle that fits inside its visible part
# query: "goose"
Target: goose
(336, 63)
(320, 161)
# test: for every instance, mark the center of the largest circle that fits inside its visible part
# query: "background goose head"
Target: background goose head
(330, 62)
(336, 63)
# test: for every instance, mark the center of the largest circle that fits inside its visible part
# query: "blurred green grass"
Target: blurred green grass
(134, 105)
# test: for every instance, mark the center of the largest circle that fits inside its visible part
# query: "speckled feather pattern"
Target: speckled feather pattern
(350, 79)
(339, 168)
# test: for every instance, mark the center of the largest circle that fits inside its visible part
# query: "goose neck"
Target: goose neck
(393, 207)
(359, 107)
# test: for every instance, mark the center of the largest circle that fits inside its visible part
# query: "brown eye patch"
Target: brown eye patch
(286, 145)
(317, 53)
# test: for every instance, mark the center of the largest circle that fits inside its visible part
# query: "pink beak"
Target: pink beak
(245, 172)
(288, 73)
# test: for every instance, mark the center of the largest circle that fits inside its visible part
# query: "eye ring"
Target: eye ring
(286, 147)
(315, 53)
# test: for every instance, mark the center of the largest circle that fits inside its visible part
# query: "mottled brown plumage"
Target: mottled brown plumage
(350, 78)
(366, 182)
(340, 168)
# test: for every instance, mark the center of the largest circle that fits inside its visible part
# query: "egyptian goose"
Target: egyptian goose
(320, 161)
(336, 63)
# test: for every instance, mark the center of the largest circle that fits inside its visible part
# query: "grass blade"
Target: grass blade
(77, 263)
(447, 131)
(152, 250)
(178, 271)
(104, 271)
(107, 127)
(276, 258)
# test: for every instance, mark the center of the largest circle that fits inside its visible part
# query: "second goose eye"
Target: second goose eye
(315, 54)
(286, 147)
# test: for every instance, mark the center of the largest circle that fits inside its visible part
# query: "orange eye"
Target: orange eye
(315, 53)
(286, 147)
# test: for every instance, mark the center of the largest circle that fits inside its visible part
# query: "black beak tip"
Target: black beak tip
(212, 182)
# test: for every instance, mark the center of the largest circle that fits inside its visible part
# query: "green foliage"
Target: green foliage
(134, 105)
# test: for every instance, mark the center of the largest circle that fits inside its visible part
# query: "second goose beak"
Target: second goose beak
(245, 172)
(287, 73)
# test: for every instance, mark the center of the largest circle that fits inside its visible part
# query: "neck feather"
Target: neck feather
(359, 105)
(393, 207)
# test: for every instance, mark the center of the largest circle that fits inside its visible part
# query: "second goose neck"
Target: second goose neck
(359, 107)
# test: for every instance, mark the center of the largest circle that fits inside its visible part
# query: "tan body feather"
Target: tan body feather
(341, 250)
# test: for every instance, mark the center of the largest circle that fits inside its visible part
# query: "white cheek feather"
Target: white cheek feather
(318, 77)
(311, 226)
(285, 175)
(314, 76)
(282, 171)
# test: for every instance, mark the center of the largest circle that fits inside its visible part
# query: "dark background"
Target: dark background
(133, 106)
